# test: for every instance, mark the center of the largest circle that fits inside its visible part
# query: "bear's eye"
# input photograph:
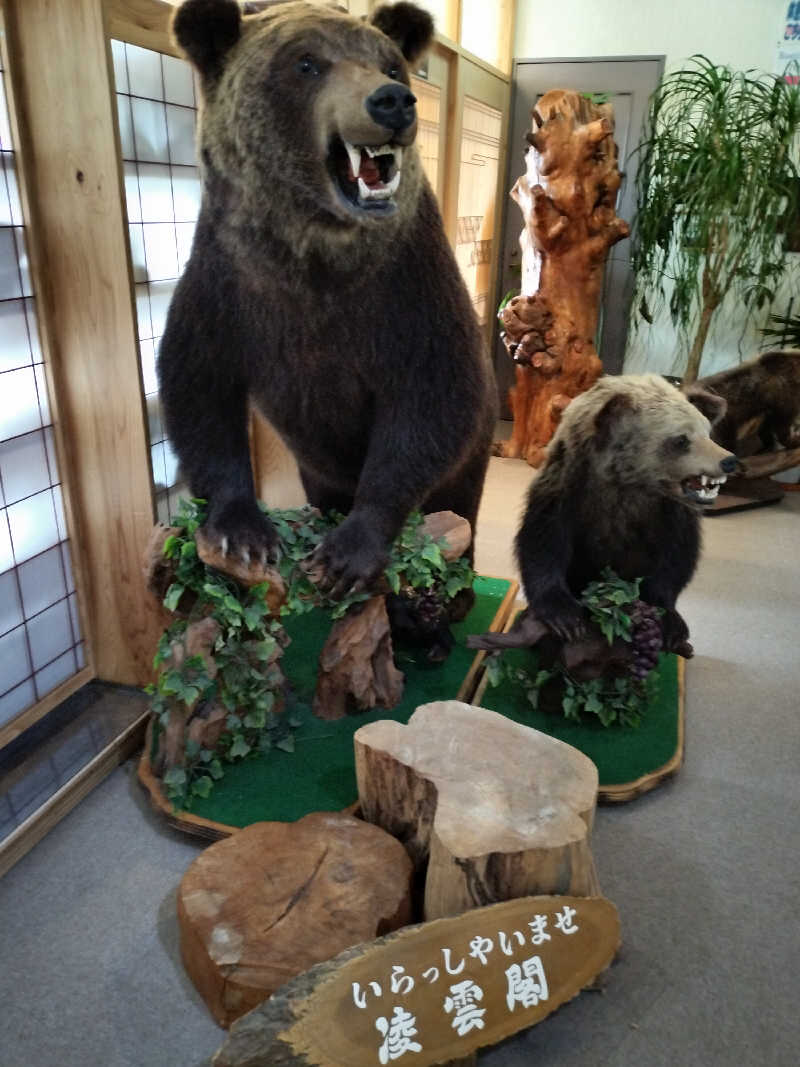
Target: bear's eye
(307, 66)
(393, 72)
(681, 443)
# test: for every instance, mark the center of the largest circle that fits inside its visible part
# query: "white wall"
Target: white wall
(742, 33)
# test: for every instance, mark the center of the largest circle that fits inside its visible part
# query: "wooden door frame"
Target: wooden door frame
(471, 79)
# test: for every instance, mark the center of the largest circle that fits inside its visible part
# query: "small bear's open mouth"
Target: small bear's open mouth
(701, 488)
(365, 176)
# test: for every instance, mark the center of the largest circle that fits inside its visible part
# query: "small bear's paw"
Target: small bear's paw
(239, 530)
(350, 559)
(675, 633)
(562, 614)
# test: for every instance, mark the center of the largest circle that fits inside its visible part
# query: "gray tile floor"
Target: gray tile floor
(704, 870)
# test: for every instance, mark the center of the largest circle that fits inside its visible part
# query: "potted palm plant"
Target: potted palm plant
(717, 195)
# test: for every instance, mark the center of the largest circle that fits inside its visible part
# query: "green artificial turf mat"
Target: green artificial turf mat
(320, 774)
(622, 754)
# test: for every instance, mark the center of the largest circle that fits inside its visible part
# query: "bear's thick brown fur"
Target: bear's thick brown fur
(766, 388)
(625, 475)
(328, 297)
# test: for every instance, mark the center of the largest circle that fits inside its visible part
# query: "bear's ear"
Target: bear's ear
(409, 27)
(608, 417)
(707, 402)
(206, 30)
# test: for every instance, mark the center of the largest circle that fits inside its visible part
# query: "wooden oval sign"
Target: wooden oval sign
(435, 992)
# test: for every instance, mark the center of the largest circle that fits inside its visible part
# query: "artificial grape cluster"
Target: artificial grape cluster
(646, 638)
(429, 608)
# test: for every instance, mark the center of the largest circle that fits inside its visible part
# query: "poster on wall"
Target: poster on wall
(788, 53)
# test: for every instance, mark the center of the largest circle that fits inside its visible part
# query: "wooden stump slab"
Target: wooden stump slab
(274, 899)
(437, 992)
(498, 810)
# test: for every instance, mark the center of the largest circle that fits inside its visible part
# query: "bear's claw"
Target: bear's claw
(349, 560)
(562, 615)
(239, 529)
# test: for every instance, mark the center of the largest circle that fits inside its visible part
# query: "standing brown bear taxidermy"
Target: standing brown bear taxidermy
(321, 286)
(626, 476)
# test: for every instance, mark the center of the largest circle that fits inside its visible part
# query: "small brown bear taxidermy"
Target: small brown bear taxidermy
(321, 286)
(626, 475)
(767, 389)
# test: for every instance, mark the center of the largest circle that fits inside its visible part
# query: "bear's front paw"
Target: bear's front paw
(239, 530)
(561, 614)
(675, 633)
(350, 559)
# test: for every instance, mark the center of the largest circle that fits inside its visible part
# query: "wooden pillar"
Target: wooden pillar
(60, 67)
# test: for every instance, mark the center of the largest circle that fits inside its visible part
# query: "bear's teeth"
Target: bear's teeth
(355, 157)
(383, 193)
(392, 187)
(384, 150)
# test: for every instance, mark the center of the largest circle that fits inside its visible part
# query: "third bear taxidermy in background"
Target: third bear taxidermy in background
(626, 475)
(321, 285)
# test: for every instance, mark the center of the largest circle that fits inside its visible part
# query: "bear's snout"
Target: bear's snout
(393, 106)
(729, 464)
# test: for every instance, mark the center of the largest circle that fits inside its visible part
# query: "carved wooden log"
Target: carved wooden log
(567, 198)
(498, 810)
(339, 1012)
(274, 899)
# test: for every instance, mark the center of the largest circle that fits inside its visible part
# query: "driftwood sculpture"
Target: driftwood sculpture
(356, 666)
(567, 197)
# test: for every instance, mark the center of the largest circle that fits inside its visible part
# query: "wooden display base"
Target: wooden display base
(620, 794)
(214, 830)
(616, 793)
(742, 494)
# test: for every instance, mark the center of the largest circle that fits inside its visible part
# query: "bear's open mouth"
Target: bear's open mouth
(365, 176)
(701, 488)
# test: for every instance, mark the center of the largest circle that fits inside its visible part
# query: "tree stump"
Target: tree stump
(274, 899)
(567, 198)
(498, 810)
